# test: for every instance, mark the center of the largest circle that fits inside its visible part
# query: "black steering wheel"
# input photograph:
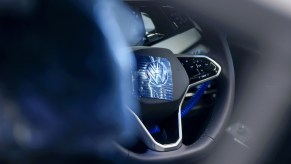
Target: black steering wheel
(161, 81)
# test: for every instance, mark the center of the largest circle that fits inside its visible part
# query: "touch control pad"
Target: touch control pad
(199, 68)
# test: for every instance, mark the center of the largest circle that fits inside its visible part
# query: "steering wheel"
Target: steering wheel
(161, 81)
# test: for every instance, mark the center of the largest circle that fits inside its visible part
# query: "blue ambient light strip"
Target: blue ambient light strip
(153, 78)
(191, 103)
(195, 98)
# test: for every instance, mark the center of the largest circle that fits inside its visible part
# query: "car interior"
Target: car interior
(145, 81)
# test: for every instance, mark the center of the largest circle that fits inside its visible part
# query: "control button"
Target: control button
(204, 76)
(198, 71)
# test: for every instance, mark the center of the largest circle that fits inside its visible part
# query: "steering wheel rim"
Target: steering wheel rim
(215, 127)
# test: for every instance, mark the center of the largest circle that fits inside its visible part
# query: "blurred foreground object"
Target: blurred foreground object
(62, 77)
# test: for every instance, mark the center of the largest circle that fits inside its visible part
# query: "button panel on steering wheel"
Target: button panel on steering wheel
(199, 68)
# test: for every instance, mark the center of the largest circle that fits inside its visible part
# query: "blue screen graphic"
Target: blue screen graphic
(153, 78)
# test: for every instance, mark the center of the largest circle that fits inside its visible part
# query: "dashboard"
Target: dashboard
(167, 27)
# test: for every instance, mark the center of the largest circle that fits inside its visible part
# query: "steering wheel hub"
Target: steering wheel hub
(161, 80)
